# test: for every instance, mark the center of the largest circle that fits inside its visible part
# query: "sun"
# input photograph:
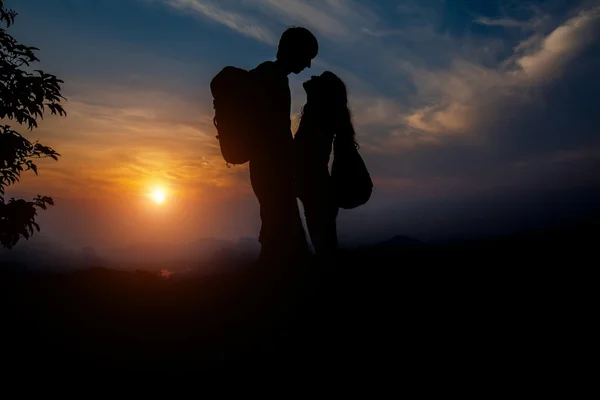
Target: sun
(158, 195)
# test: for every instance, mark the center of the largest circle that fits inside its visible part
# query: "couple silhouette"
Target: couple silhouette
(283, 167)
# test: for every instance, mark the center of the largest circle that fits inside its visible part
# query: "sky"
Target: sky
(459, 107)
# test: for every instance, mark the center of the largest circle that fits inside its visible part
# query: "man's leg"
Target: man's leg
(282, 235)
(282, 230)
(268, 238)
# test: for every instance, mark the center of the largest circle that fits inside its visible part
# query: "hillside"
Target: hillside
(394, 301)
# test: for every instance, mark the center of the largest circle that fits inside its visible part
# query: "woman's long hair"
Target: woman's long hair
(329, 108)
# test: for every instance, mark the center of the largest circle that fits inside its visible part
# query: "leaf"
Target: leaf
(25, 96)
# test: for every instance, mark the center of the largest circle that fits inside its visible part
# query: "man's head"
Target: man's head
(297, 47)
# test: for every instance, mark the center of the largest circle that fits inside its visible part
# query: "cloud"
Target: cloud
(503, 22)
(334, 19)
(430, 93)
(476, 107)
(259, 19)
(559, 47)
(458, 95)
(238, 21)
(384, 32)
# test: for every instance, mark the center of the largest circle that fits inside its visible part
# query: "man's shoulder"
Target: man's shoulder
(269, 70)
(267, 66)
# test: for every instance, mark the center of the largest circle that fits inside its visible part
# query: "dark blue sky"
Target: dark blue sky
(453, 101)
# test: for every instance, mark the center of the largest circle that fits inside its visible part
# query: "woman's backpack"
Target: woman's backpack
(233, 92)
(350, 176)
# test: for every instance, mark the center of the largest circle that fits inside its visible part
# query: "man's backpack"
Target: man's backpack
(232, 90)
(350, 176)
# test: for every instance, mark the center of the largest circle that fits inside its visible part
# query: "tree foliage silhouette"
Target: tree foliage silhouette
(25, 95)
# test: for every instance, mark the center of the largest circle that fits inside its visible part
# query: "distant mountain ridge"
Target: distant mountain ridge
(211, 253)
(44, 253)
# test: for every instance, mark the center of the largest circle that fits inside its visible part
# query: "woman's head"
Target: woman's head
(327, 104)
(327, 89)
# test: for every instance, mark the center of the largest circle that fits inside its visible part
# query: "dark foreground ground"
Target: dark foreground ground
(504, 306)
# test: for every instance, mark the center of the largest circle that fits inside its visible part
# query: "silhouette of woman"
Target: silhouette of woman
(325, 118)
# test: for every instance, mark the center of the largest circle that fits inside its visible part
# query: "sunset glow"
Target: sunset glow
(158, 195)
(453, 103)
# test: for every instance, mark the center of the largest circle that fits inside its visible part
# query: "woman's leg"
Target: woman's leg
(321, 214)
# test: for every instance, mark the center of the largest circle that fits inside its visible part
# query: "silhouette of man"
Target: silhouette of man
(271, 165)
